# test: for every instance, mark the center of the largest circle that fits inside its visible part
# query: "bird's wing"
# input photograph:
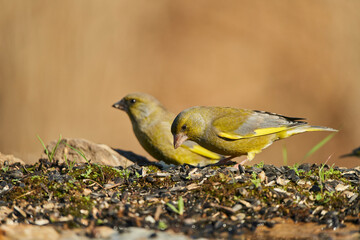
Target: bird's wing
(248, 124)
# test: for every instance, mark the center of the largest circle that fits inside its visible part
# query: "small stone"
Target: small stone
(193, 171)
(98, 153)
(262, 176)
(281, 181)
(49, 206)
(353, 197)
(4, 212)
(349, 194)
(16, 174)
(323, 212)
(196, 176)
(270, 184)
(301, 182)
(162, 174)
(176, 189)
(84, 222)
(341, 187)
(192, 186)
(150, 219)
(317, 210)
(241, 216)
(189, 221)
(242, 191)
(280, 190)
(237, 207)
(245, 203)
(83, 211)
(41, 222)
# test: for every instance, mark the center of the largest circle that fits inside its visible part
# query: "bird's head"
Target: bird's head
(138, 105)
(188, 125)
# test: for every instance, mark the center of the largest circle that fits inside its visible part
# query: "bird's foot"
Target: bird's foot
(241, 163)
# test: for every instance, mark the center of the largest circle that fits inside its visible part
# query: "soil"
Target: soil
(252, 202)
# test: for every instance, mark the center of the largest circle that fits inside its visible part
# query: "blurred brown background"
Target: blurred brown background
(64, 63)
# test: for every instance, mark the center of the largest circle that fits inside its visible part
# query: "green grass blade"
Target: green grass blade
(66, 161)
(172, 208)
(181, 205)
(53, 151)
(43, 144)
(79, 152)
(319, 145)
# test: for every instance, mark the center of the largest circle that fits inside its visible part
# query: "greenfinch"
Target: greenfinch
(234, 132)
(354, 153)
(151, 124)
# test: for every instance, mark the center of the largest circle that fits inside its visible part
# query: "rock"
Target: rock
(4, 212)
(95, 153)
(281, 181)
(24, 231)
(10, 159)
(341, 187)
(136, 233)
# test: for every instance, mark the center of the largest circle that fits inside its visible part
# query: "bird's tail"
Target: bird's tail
(304, 128)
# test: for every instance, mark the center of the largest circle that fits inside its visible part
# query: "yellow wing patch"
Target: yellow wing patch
(230, 136)
(202, 151)
(266, 131)
(258, 132)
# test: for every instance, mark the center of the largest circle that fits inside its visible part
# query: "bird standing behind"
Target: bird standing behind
(151, 123)
(235, 132)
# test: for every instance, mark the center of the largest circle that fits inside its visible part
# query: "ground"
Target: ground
(252, 202)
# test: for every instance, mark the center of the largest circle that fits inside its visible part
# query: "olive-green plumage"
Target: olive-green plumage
(151, 123)
(235, 132)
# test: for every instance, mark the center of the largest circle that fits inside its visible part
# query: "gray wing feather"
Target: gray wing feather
(260, 119)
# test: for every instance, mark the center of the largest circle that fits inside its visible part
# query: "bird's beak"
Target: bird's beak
(120, 105)
(179, 139)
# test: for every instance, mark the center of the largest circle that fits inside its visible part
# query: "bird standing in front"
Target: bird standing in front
(234, 132)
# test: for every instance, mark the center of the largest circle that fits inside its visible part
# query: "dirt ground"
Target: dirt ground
(87, 200)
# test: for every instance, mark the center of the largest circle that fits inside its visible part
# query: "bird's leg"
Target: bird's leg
(250, 157)
(241, 163)
(244, 161)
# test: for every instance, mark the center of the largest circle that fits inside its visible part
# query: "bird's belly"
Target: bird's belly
(238, 147)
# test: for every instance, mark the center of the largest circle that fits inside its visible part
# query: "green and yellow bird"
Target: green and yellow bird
(151, 124)
(234, 132)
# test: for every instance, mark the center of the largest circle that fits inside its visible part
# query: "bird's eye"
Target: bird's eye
(132, 101)
(183, 127)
